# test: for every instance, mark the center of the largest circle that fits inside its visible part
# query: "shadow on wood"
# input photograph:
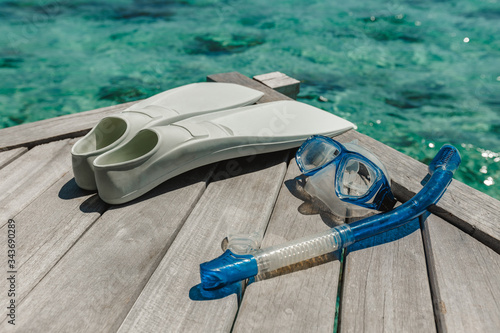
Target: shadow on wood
(311, 205)
(71, 191)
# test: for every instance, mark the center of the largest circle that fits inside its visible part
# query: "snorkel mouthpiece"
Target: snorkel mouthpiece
(226, 269)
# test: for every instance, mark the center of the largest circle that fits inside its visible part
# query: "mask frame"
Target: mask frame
(324, 160)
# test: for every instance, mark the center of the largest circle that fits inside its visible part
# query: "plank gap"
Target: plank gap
(55, 166)
(464, 275)
(289, 158)
(164, 251)
(228, 205)
(301, 296)
(61, 257)
(69, 126)
(7, 157)
(430, 265)
(340, 291)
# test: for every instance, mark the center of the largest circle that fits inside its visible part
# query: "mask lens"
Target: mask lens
(317, 154)
(357, 178)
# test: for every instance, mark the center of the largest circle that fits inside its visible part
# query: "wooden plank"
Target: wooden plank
(49, 226)
(235, 77)
(385, 284)
(470, 210)
(239, 204)
(303, 299)
(53, 129)
(93, 286)
(465, 279)
(280, 82)
(30, 175)
(46, 229)
(8, 156)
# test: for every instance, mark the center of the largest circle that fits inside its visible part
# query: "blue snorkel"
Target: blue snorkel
(232, 267)
(435, 184)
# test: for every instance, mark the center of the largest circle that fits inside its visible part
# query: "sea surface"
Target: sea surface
(412, 74)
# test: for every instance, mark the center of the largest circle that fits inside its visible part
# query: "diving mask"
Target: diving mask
(347, 178)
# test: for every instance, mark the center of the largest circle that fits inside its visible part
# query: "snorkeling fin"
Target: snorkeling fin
(158, 153)
(161, 109)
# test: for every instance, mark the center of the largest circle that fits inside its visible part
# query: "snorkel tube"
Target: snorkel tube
(233, 267)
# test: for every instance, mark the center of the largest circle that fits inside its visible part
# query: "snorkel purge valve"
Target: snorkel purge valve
(230, 267)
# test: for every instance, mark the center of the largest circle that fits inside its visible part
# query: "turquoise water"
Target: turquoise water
(412, 74)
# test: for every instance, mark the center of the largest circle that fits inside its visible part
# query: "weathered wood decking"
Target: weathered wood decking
(85, 266)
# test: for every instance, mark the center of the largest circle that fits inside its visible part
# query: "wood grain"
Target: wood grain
(465, 277)
(53, 129)
(235, 77)
(385, 284)
(280, 82)
(28, 176)
(8, 156)
(47, 228)
(240, 204)
(93, 286)
(302, 298)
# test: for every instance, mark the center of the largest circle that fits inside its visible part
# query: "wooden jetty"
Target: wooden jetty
(84, 266)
